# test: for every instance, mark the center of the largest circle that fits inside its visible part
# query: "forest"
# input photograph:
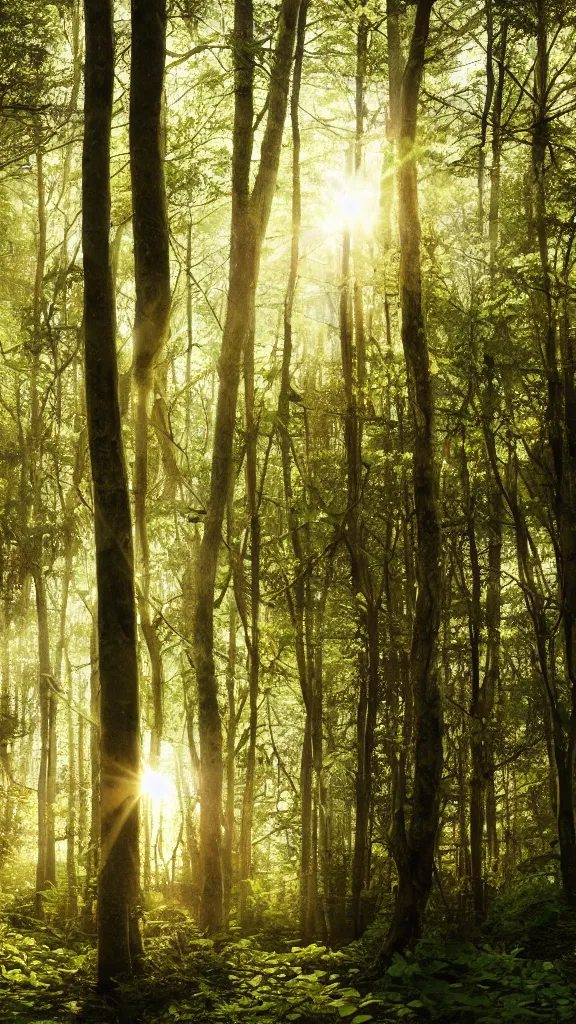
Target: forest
(287, 511)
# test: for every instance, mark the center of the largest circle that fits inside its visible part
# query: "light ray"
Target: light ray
(156, 786)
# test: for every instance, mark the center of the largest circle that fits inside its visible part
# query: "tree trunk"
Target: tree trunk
(560, 422)
(482, 798)
(414, 846)
(250, 214)
(494, 208)
(228, 850)
(253, 639)
(71, 832)
(59, 672)
(46, 863)
(46, 860)
(152, 282)
(119, 944)
(477, 711)
(353, 351)
(296, 601)
(82, 783)
(485, 118)
(93, 848)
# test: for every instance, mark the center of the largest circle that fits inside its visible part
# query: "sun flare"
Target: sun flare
(353, 206)
(156, 786)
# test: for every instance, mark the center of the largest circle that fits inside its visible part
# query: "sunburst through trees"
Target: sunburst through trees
(287, 481)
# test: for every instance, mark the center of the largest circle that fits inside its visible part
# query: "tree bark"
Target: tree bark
(560, 425)
(253, 639)
(482, 805)
(250, 214)
(93, 843)
(297, 596)
(152, 283)
(477, 703)
(414, 845)
(61, 671)
(228, 849)
(46, 860)
(353, 354)
(485, 118)
(494, 207)
(119, 945)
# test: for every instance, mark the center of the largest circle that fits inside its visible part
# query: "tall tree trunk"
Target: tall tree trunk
(7, 712)
(482, 807)
(46, 863)
(297, 601)
(62, 668)
(414, 845)
(228, 850)
(71, 817)
(191, 797)
(485, 118)
(353, 350)
(46, 860)
(560, 422)
(253, 640)
(119, 943)
(152, 281)
(494, 207)
(477, 723)
(250, 214)
(93, 848)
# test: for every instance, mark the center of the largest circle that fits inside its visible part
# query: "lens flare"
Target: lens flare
(156, 786)
(353, 205)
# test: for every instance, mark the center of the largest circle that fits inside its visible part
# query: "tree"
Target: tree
(250, 213)
(152, 280)
(396, 700)
(118, 931)
(414, 845)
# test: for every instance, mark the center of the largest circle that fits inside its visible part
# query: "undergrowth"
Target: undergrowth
(520, 969)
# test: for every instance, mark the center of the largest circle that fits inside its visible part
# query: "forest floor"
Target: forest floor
(47, 973)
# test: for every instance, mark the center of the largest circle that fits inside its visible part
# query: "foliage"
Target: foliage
(43, 974)
(532, 914)
(464, 984)
(187, 980)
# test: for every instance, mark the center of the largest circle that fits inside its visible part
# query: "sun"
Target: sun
(353, 205)
(156, 786)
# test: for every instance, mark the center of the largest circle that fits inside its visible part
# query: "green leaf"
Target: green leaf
(361, 1018)
(347, 1009)
(397, 970)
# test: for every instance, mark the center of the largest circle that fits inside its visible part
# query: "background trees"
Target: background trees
(293, 310)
